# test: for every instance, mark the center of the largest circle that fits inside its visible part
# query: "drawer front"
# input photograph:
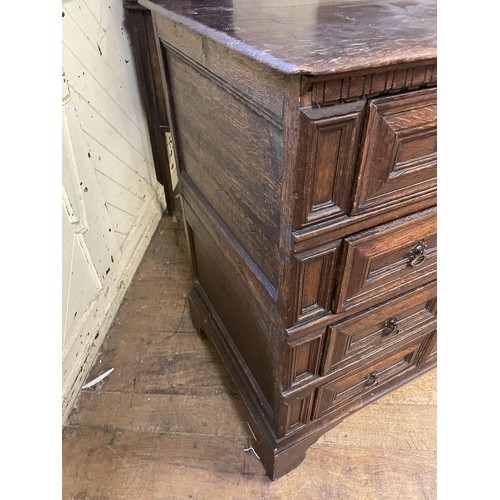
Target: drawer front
(387, 261)
(302, 358)
(312, 282)
(347, 341)
(295, 413)
(430, 352)
(326, 162)
(377, 371)
(398, 160)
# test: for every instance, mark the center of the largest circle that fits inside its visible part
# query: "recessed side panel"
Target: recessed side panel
(236, 298)
(232, 153)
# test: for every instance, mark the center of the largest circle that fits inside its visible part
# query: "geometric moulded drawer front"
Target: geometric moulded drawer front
(375, 373)
(326, 162)
(302, 359)
(295, 413)
(398, 161)
(387, 261)
(312, 282)
(350, 340)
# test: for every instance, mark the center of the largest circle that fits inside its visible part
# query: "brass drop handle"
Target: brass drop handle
(391, 326)
(416, 254)
(372, 378)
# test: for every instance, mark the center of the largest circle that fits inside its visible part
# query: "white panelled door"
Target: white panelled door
(111, 200)
(90, 246)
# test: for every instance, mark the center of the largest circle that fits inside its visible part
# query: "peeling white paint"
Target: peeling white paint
(111, 200)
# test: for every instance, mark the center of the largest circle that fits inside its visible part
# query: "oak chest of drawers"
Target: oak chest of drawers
(305, 136)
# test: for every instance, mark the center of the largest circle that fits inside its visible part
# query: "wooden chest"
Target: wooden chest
(305, 135)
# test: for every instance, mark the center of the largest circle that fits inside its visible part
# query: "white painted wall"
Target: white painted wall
(111, 200)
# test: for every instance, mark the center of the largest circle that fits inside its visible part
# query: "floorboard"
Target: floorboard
(167, 423)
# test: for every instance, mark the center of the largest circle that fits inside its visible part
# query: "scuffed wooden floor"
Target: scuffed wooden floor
(167, 423)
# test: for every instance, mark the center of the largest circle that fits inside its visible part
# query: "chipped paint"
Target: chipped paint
(110, 205)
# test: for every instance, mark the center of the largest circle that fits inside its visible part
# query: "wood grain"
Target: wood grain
(261, 85)
(140, 27)
(241, 179)
(399, 156)
(130, 440)
(110, 200)
(376, 265)
(325, 90)
(272, 108)
(312, 280)
(322, 37)
(326, 161)
(348, 339)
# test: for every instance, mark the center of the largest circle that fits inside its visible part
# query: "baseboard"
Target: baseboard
(81, 354)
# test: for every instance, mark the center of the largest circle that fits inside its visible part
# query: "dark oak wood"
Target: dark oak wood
(369, 82)
(347, 341)
(303, 359)
(399, 157)
(140, 27)
(168, 421)
(374, 373)
(326, 161)
(279, 455)
(240, 177)
(376, 264)
(332, 36)
(314, 276)
(306, 145)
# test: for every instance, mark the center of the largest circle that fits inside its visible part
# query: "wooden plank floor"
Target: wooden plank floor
(167, 423)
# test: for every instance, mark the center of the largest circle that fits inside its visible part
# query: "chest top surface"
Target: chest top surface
(313, 37)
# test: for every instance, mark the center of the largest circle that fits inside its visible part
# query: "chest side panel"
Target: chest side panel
(233, 156)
